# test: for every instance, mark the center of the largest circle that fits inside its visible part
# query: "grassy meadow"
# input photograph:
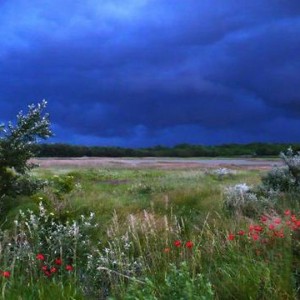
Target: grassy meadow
(147, 233)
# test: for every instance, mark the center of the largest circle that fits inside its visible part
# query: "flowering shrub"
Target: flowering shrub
(286, 178)
(279, 179)
(16, 148)
(239, 199)
(42, 245)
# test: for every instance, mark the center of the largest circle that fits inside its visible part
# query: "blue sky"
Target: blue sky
(145, 72)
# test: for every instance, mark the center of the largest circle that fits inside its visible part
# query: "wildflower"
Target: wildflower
(279, 234)
(271, 226)
(277, 221)
(69, 268)
(44, 268)
(58, 261)
(189, 244)
(241, 232)
(255, 237)
(40, 256)
(177, 243)
(53, 270)
(287, 212)
(47, 273)
(167, 250)
(263, 219)
(6, 274)
(258, 228)
(293, 218)
(251, 227)
(230, 237)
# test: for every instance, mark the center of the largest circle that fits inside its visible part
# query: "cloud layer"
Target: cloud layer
(147, 72)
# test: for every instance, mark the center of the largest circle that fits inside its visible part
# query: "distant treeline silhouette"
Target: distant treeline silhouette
(181, 150)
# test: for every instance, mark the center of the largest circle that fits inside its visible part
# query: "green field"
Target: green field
(146, 234)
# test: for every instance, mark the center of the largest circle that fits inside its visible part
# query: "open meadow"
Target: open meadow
(151, 229)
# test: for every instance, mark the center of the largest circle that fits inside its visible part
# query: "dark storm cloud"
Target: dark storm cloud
(146, 72)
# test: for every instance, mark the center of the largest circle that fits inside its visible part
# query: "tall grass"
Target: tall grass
(151, 235)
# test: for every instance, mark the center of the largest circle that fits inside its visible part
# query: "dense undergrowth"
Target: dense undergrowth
(153, 234)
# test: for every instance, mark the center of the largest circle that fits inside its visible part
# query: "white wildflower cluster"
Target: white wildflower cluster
(238, 197)
(221, 173)
(44, 232)
(112, 264)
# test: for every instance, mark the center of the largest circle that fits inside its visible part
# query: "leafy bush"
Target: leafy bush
(240, 199)
(286, 178)
(16, 148)
(279, 179)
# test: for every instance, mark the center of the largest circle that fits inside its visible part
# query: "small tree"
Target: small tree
(16, 148)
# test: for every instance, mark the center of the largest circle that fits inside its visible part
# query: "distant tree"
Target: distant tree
(17, 143)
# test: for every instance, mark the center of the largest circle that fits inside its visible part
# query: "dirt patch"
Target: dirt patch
(157, 163)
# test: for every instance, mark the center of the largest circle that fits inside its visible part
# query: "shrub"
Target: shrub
(292, 161)
(16, 148)
(286, 178)
(279, 179)
(239, 198)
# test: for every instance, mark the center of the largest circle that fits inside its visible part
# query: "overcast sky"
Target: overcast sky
(146, 72)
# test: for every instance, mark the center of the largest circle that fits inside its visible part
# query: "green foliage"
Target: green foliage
(178, 283)
(63, 184)
(287, 178)
(278, 184)
(279, 179)
(16, 148)
(182, 150)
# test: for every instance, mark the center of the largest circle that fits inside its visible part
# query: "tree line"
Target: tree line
(181, 150)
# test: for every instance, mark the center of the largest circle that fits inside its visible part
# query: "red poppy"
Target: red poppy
(271, 226)
(58, 261)
(241, 232)
(47, 273)
(6, 274)
(255, 237)
(44, 268)
(251, 227)
(277, 221)
(258, 228)
(189, 244)
(177, 243)
(263, 219)
(69, 268)
(53, 270)
(279, 234)
(287, 212)
(40, 256)
(231, 237)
